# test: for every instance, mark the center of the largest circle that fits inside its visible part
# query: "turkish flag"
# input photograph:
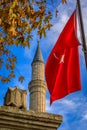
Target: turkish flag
(63, 68)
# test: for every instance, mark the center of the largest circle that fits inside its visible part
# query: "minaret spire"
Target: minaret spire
(38, 55)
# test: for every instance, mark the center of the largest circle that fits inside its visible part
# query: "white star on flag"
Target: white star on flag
(62, 59)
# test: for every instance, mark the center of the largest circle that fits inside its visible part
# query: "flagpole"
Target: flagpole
(82, 31)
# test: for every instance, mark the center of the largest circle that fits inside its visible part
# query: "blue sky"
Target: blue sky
(73, 107)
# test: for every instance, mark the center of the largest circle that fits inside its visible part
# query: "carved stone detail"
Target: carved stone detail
(15, 97)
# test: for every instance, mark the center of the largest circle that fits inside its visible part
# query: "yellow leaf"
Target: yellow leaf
(12, 31)
(7, 66)
(12, 66)
(0, 21)
(14, 59)
(10, 11)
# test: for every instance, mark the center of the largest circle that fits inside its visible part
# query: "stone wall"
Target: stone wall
(12, 118)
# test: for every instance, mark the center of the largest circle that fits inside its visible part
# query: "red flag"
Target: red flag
(62, 67)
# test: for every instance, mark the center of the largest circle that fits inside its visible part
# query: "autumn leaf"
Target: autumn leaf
(9, 59)
(11, 75)
(1, 40)
(14, 59)
(0, 21)
(28, 45)
(1, 53)
(3, 80)
(64, 1)
(49, 26)
(1, 62)
(19, 40)
(7, 80)
(6, 51)
(12, 31)
(21, 79)
(7, 66)
(0, 77)
(12, 66)
(56, 12)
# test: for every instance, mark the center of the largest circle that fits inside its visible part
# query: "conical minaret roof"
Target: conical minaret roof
(38, 55)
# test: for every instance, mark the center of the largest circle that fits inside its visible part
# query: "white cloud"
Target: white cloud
(62, 106)
(58, 26)
(85, 117)
(64, 18)
(68, 103)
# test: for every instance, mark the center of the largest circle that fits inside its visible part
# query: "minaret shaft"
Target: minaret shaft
(37, 71)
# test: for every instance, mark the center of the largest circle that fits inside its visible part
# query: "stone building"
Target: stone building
(14, 116)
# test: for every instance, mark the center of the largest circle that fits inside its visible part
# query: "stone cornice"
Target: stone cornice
(20, 119)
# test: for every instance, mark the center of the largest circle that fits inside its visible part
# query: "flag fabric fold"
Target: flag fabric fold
(63, 68)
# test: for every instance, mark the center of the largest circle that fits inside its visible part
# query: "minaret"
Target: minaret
(37, 86)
